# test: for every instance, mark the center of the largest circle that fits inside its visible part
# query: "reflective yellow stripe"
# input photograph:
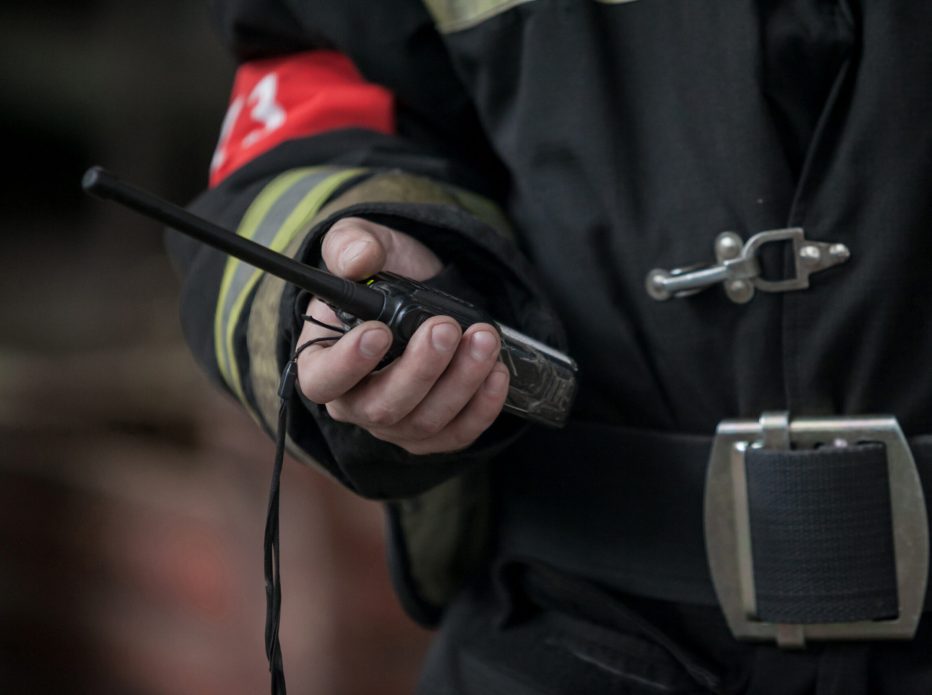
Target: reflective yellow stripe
(263, 331)
(457, 15)
(247, 228)
(239, 278)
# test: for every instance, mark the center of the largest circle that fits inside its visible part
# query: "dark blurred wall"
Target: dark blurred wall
(132, 494)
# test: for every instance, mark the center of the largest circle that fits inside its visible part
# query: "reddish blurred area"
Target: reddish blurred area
(133, 493)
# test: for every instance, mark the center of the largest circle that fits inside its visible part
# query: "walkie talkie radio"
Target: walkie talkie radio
(543, 380)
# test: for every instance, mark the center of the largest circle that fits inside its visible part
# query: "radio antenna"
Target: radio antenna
(356, 299)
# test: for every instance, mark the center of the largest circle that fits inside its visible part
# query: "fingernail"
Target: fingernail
(373, 342)
(482, 345)
(351, 253)
(496, 382)
(444, 337)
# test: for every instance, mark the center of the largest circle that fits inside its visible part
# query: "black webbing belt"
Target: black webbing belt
(822, 521)
(625, 508)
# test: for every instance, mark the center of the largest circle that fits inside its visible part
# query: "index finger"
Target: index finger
(326, 372)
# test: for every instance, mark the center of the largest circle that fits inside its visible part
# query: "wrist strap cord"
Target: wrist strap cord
(272, 565)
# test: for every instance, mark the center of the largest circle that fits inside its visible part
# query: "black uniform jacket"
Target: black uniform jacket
(617, 137)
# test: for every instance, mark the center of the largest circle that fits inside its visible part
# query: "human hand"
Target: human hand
(440, 394)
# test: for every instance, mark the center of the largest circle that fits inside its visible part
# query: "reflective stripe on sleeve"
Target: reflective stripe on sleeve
(276, 217)
(458, 15)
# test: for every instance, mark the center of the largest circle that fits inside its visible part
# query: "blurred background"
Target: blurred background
(132, 493)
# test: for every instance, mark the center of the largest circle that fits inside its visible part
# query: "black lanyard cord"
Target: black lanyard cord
(273, 578)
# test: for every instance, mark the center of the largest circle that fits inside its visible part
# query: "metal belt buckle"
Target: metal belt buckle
(728, 532)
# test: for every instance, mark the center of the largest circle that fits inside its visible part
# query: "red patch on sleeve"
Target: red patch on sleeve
(279, 99)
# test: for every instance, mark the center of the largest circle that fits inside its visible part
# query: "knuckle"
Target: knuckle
(309, 387)
(424, 426)
(424, 365)
(461, 438)
(337, 412)
(380, 414)
(424, 375)
(315, 386)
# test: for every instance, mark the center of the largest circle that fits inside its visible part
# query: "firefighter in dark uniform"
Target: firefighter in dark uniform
(721, 210)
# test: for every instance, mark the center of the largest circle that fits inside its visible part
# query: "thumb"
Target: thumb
(355, 248)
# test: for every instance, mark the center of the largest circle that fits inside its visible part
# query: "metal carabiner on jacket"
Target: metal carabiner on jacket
(738, 269)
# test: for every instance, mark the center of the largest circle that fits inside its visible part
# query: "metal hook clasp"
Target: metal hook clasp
(737, 267)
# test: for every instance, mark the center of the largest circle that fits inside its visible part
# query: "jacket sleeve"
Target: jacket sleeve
(338, 145)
